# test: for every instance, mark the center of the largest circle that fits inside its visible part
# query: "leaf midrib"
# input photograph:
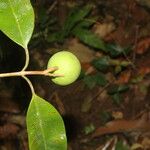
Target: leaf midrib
(40, 126)
(17, 22)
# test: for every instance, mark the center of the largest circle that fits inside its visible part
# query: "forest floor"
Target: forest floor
(96, 117)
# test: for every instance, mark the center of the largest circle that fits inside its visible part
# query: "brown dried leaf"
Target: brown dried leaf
(124, 77)
(121, 35)
(136, 146)
(142, 46)
(117, 115)
(144, 70)
(87, 67)
(146, 142)
(87, 103)
(103, 29)
(84, 53)
(142, 125)
(8, 130)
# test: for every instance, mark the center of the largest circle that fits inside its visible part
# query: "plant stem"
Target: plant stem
(27, 59)
(30, 85)
(24, 73)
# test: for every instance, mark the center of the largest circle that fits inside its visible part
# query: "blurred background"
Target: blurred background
(108, 107)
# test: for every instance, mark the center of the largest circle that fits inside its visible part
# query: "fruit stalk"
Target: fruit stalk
(25, 73)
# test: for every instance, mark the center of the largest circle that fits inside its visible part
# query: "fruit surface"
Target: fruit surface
(68, 66)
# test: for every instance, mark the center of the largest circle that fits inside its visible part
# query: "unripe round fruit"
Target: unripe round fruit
(68, 66)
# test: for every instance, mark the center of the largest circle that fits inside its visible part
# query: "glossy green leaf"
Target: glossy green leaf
(45, 126)
(17, 20)
(89, 38)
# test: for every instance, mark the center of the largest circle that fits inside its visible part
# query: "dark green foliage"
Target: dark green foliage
(93, 80)
(117, 98)
(102, 63)
(86, 22)
(89, 38)
(105, 116)
(117, 89)
(121, 146)
(77, 24)
(76, 16)
(116, 50)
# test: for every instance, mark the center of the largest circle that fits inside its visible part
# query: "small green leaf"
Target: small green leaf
(88, 129)
(45, 126)
(121, 146)
(102, 63)
(90, 81)
(17, 20)
(118, 69)
(117, 88)
(125, 63)
(89, 38)
(137, 79)
(101, 79)
(116, 50)
(86, 23)
(93, 80)
(75, 17)
(105, 116)
(117, 98)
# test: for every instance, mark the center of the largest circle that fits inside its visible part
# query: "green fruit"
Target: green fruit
(68, 66)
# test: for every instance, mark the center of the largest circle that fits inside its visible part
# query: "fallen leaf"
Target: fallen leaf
(8, 130)
(124, 77)
(144, 70)
(117, 115)
(103, 29)
(121, 36)
(84, 53)
(142, 46)
(122, 125)
(87, 103)
(88, 68)
(146, 142)
(136, 146)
